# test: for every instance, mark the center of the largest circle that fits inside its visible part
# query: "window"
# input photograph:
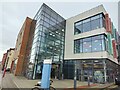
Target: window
(89, 24)
(87, 45)
(90, 44)
(101, 22)
(86, 27)
(78, 29)
(95, 24)
(77, 46)
(33, 51)
(95, 17)
(36, 30)
(96, 45)
(32, 57)
(86, 20)
(81, 46)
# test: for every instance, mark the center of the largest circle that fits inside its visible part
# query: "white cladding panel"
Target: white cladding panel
(70, 37)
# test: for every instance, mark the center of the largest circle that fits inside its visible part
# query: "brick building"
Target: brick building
(21, 48)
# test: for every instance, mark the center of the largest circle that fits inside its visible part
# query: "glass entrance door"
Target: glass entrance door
(55, 71)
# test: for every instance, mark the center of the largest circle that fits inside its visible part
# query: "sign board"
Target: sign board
(47, 61)
(46, 71)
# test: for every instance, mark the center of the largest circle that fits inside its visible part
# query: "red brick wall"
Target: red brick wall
(21, 56)
(4, 59)
(114, 48)
(108, 23)
(29, 46)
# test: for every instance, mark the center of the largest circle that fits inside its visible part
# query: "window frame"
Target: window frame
(101, 38)
(82, 22)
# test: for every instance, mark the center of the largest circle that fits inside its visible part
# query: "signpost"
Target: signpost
(45, 82)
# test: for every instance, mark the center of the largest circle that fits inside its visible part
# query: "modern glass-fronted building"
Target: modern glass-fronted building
(48, 43)
(90, 47)
(87, 42)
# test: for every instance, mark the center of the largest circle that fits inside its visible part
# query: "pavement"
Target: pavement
(0, 80)
(7, 83)
(11, 81)
(114, 87)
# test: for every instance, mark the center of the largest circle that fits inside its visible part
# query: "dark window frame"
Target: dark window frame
(101, 15)
(101, 38)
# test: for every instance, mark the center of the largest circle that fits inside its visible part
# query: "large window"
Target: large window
(89, 24)
(85, 68)
(86, 44)
(90, 44)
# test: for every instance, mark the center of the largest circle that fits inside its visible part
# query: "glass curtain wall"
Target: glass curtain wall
(90, 44)
(96, 69)
(89, 24)
(48, 42)
(112, 70)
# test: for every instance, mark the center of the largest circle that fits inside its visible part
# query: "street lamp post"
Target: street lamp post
(88, 80)
(75, 77)
(89, 76)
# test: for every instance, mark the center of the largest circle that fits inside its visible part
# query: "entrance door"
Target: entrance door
(55, 71)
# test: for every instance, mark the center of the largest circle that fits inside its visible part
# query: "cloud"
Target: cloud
(11, 20)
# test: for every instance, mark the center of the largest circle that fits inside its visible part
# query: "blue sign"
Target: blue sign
(45, 82)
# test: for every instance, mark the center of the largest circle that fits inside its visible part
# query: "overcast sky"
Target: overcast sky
(13, 14)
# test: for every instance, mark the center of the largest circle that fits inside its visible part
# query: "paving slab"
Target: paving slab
(22, 82)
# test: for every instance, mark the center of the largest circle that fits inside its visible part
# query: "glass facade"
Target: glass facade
(90, 44)
(91, 23)
(97, 69)
(48, 42)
